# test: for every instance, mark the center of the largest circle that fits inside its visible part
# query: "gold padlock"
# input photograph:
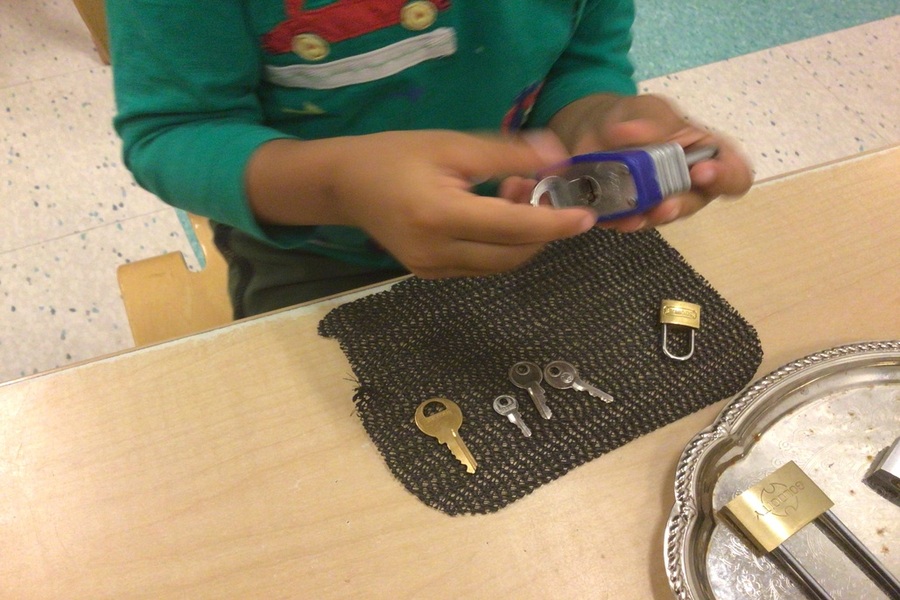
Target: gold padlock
(782, 504)
(684, 314)
(777, 507)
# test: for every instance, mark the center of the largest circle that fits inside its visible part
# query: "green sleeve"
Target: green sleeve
(185, 74)
(595, 61)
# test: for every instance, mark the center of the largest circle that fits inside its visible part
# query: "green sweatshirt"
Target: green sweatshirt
(201, 84)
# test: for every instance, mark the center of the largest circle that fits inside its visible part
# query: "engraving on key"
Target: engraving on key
(444, 425)
(507, 406)
(563, 375)
(527, 376)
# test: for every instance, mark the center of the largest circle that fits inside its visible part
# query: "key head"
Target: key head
(560, 374)
(505, 405)
(525, 374)
(443, 424)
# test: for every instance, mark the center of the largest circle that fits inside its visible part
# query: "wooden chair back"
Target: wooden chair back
(164, 299)
(93, 13)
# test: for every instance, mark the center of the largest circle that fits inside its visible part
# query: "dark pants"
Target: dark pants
(263, 278)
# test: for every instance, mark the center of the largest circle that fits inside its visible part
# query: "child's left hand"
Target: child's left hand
(605, 122)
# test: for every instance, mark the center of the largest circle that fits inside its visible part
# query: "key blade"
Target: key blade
(526, 431)
(516, 419)
(598, 393)
(540, 401)
(461, 452)
(594, 391)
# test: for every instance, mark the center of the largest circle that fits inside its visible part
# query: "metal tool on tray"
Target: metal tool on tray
(884, 474)
(620, 183)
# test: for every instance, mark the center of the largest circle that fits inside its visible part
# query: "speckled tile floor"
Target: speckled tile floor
(72, 213)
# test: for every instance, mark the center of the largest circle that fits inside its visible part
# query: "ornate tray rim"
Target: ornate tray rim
(685, 513)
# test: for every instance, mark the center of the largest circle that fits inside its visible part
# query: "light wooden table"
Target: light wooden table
(230, 464)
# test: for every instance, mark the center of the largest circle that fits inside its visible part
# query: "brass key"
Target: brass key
(444, 425)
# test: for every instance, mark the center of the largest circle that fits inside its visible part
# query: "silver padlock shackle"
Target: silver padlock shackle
(665, 345)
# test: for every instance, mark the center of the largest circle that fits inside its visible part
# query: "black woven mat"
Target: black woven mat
(592, 300)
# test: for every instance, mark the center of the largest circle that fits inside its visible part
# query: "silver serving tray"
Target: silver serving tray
(831, 413)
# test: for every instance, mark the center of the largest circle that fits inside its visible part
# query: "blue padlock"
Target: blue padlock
(619, 183)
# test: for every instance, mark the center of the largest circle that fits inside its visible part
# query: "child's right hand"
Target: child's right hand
(411, 192)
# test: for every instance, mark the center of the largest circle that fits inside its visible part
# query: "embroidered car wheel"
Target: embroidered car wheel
(310, 46)
(418, 15)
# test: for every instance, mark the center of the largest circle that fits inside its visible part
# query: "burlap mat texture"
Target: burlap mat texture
(593, 301)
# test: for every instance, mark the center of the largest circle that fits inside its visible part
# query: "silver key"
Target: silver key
(507, 406)
(563, 375)
(527, 376)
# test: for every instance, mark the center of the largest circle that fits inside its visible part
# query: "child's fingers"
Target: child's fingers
(729, 174)
(517, 189)
(498, 221)
(487, 157)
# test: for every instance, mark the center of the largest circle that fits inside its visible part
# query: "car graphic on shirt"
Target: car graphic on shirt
(309, 33)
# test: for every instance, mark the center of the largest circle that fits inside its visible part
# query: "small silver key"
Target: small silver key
(527, 376)
(507, 406)
(563, 375)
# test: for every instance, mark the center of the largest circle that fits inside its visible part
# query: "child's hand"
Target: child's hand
(411, 192)
(608, 123)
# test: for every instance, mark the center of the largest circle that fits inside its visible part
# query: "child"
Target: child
(338, 143)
